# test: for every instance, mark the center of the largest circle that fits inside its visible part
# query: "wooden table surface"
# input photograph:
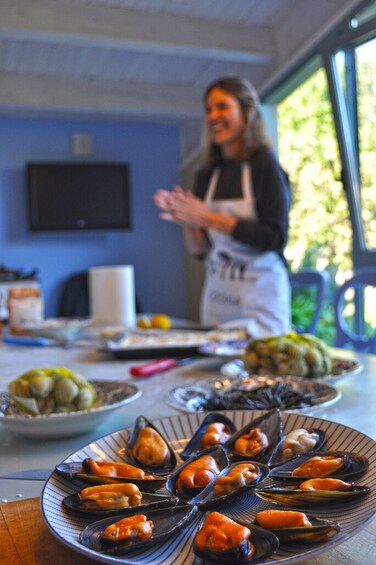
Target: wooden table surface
(26, 540)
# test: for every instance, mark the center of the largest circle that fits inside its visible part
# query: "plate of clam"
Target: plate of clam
(247, 486)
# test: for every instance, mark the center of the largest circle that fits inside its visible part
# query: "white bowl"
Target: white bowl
(113, 394)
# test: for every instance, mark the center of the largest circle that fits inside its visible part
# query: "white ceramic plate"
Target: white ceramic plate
(166, 343)
(225, 349)
(187, 397)
(341, 368)
(58, 328)
(112, 394)
(178, 550)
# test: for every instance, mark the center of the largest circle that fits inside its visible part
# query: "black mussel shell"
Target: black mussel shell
(220, 457)
(270, 424)
(77, 473)
(265, 545)
(278, 458)
(207, 498)
(294, 497)
(161, 468)
(194, 445)
(355, 466)
(320, 531)
(167, 522)
(149, 501)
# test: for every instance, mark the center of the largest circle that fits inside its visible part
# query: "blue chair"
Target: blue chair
(319, 281)
(345, 336)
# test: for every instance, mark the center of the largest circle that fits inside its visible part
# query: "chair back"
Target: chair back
(75, 298)
(345, 336)
(319, 281)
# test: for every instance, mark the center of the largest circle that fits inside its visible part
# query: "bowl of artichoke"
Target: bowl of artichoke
(299, 355)
(54, 402)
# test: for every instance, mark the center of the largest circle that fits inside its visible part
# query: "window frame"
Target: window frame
(344, 38)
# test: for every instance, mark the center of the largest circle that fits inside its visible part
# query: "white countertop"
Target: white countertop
(355, 408)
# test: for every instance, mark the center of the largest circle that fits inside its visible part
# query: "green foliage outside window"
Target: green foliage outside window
(320, 230)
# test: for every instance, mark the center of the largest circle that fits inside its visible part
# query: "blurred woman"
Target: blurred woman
(237, 215)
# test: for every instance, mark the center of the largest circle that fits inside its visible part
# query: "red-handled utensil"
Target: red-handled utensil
(158, 366)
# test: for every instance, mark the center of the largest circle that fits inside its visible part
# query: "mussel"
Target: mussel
(92, 472)
(296, 527)
(257, 439)
(215, 429)
(221, 539)
(233, 481)
(297, 442)
(148, 449)
(153, 526)
(313, 492)
(336, 464)
(111, 499)
(196, 472)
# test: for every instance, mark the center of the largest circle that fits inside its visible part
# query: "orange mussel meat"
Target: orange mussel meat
(251, 444)
(198, 473)
(219, 533)
(114, 469)
(276, 519)
(215, 433)
(130, 528)
(150, 448)
(320, 466)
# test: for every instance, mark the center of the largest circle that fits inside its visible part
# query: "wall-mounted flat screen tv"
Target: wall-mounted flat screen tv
(78, 196)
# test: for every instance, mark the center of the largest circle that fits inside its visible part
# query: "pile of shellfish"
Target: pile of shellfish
(153, 491)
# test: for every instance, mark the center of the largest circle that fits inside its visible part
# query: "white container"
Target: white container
(112, 295)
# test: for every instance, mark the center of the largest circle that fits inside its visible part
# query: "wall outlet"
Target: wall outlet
(82, 144)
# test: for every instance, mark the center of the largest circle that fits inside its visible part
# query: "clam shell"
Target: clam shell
(217, 452)
(320, 531)
(270, 424)
(207, 498)
(265, 543)
(77, 474)
(194, 445)
(166, 467)
(294, 497)
(355, 466)
(167, 522)
(277, 457)
(149, 502)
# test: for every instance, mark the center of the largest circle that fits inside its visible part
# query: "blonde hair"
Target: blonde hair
(255, 136)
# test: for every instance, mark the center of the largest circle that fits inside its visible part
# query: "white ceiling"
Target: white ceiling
(147, 60)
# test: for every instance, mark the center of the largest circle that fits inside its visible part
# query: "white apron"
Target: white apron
(244, 288)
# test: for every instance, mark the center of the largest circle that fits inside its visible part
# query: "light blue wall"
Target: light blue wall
(153, 247)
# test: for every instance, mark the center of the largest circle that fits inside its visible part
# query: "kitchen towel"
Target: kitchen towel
(112, 295)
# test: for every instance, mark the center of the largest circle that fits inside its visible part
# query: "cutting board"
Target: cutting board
(26, 540)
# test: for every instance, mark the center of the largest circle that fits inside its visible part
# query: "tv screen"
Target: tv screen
(78, 196)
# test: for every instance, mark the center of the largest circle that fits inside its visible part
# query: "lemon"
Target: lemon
(144, 323)
(161, 322)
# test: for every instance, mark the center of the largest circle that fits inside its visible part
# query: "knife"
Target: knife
(158, 366)
(28, 340)
(29, 475)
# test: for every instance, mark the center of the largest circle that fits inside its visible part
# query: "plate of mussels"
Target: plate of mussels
(242, 486)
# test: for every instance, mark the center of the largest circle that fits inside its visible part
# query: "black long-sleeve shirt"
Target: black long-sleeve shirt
(272, 194)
